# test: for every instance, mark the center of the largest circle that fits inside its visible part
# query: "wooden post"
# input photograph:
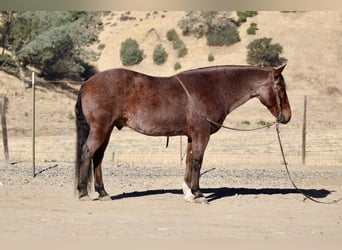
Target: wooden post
(33, 127)
(304, 132)
(4, 126)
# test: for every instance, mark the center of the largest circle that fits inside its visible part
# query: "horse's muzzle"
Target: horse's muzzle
(282, 118)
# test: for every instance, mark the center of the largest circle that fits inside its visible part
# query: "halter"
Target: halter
(276, 87)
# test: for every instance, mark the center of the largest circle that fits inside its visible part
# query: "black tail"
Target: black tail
(82, 130)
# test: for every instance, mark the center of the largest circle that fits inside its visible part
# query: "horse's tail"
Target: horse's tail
(82, 132)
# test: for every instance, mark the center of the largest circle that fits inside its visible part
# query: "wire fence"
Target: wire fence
(55, 138)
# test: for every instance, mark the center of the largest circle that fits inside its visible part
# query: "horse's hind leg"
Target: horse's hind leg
(84, 174)
(93, 143)
(97, 161)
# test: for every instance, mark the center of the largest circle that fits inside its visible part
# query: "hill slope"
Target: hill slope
(311, 42)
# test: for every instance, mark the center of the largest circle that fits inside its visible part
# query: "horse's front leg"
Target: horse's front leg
(188, 195)
(194, 158)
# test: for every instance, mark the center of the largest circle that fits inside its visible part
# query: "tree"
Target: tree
(216, 26)
(262, 53)
(6, 18)
(159, 54)
(198, 23)
(130, 54)
(222, 34)
(55, 42)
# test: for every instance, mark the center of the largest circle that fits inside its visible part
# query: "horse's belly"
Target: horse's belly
(156, 127)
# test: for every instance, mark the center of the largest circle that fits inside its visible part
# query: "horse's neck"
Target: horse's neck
(238, 101)
(247, 90)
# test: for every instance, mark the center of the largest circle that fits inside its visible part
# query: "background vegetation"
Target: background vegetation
(130, 52)
(57, 44)
(261, 52)
(218, 27)
(177, 43)
(159, 54)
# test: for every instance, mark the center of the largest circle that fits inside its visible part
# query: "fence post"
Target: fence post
(4, 126)
(304, 132)
(33, 126)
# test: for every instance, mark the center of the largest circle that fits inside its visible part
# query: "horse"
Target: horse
(190, 103)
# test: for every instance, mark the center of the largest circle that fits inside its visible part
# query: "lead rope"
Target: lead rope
(289, 175)
(238, 129)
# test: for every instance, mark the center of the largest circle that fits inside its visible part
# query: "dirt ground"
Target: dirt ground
(245, 202)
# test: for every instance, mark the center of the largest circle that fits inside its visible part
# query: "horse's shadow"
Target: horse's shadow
(213, 194)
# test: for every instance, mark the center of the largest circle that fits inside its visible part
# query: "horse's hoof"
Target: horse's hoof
(198, 200)
(190, 197)
(105, 198)
(201, 200)
(85, 198)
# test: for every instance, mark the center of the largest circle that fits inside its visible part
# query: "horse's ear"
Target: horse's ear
(277, 71)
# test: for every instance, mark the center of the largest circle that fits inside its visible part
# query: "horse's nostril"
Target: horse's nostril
(283, 119)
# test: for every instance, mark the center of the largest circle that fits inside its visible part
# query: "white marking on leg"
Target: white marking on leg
(188, 196)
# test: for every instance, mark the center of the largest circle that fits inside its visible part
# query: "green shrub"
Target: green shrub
(252, 29)
(159, 55)
(245, 122)
(130, 54)
(177, 43)
(261, 123)
(172, 35)
(262, 53)
(220, 35)
(243, 15)
(71, 115)
(211, 58)
(177, 66)
(183, 51)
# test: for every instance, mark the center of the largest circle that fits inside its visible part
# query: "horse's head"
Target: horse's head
(273, 95)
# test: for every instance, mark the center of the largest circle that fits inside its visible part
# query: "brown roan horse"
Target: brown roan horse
(183, 104)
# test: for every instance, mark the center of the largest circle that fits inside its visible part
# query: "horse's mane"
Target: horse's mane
(224, 67)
